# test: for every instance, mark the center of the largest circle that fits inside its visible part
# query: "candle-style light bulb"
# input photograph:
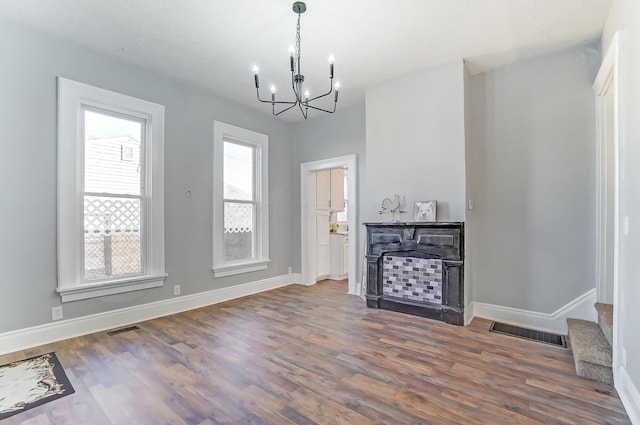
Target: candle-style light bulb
(337, 86)
(331, 59)
(273, 89)
(306, 94)
(255, 75)
(292, 61)
(273, 93)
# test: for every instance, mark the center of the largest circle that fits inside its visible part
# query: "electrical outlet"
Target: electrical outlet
(623, 357)
(289, 270)
(56, 313)
(470, 205)
(176, 289)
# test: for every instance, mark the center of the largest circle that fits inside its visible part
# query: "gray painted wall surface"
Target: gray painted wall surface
(534, 178)
(469, 236)
(31, 63)
(416, 142)
(625, 16)
(330, 136)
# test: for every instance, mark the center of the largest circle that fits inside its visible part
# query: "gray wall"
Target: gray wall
(329, 136)
(31, 63)
(416, 142)
(469, 225)
(534, 177)
(625, 16)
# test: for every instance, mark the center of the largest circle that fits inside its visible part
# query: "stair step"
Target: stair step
(605, 320)
(591, 351)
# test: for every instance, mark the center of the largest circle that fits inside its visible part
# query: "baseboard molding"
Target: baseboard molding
(468, 313)
(51, 332)
(629, 395)
(579, 308)
(296, 278)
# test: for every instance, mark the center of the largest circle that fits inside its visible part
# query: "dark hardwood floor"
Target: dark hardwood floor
(306, 355)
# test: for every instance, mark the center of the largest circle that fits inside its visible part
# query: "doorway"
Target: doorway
(310, 223)
(608, 174)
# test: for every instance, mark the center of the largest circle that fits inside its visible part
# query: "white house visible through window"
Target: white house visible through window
(113, 200)
(241, 238)
(110, 224)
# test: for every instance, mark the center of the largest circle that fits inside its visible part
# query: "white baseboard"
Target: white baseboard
(579, 308)
(629, 395)
(296, 278)
(468, 313)
(56, 331)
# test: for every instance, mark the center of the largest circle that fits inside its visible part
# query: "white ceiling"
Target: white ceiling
(214, 43)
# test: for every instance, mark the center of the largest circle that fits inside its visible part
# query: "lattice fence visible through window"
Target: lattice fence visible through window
(238, 217)
(112, 244)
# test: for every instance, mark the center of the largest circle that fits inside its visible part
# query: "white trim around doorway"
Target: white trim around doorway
(307, 211)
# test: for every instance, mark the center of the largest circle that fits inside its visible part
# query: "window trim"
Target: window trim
(260, 142)
(73, 98)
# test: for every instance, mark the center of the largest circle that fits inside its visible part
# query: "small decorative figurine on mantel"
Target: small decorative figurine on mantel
(389, 206)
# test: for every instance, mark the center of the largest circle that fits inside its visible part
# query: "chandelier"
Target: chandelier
(302, 100)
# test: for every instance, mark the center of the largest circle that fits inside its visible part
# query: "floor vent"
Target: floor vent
(545, 337)
(123, 330)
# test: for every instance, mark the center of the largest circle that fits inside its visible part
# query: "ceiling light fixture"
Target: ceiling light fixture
(302, 99)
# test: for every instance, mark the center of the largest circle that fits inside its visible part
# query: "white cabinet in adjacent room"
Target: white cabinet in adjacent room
(330, 190)
(322, 244)
(339, 248)
(337, 190)
(323, 190)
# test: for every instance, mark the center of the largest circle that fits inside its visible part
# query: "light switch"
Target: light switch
(625, 225)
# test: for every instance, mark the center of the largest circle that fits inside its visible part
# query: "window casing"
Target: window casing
(240, 201)
(110, 192)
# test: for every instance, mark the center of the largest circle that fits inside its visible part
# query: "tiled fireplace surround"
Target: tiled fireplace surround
(417, 268)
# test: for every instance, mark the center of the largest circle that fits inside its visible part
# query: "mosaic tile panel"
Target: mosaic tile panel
(415, 279)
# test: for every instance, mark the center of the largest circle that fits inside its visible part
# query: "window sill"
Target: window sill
(238, 268)
(94, 290)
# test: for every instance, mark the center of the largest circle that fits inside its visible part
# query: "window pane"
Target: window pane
(238, 171)
(239, 231)
(112, 244)
(112, 148)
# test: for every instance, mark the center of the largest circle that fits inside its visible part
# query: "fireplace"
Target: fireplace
(417, 268)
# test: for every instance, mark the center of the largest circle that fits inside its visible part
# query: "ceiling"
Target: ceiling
(214, 43)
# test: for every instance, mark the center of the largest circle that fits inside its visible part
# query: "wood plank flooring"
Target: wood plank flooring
(313, 355)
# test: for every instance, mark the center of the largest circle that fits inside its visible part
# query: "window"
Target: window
(110, 224)
(240, 199)
(343, 216)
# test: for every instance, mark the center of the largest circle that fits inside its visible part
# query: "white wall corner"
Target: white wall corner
(296, 278)
(51, 332)
(468, 313)
(629, 395)
(556, 322)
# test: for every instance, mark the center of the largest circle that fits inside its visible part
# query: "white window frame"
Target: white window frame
(260, 142)
(73, 98)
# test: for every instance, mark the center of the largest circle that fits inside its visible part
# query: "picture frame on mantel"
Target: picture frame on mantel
(425, 211)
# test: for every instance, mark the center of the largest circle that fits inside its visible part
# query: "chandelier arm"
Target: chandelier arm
(304, 114)
(322, 95)
(323, 110)
(327, 93)
(285, 109)
(274, 101)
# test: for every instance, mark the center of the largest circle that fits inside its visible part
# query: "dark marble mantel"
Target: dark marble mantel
(439, 241)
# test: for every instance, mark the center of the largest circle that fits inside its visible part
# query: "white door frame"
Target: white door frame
(606, 80)
(307, 217)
